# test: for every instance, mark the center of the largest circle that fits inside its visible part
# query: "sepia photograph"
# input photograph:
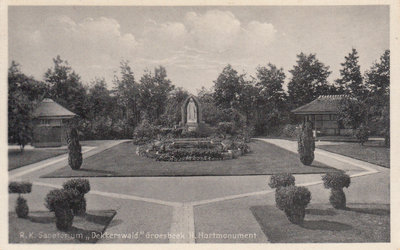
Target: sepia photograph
(198, 124)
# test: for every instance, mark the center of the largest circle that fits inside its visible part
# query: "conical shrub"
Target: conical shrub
(306, 144)
(74, 149)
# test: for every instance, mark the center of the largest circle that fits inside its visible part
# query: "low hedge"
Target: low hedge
(19, 187)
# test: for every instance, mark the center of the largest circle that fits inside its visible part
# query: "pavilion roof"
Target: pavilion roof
(49, 108)
(324, 104)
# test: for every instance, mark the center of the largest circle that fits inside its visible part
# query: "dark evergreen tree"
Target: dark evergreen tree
(74, 149)
(351, 81)
(309, 80)
(306, 144)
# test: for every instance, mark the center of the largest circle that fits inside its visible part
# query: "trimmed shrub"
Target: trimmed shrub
(227, 128)
(22, 208)
(362, 134)
(336, 182)
(60, 201)
(281, 180)
(306, 144)
(19, 187)
(83, 187)
(74, 150)
(293, 201)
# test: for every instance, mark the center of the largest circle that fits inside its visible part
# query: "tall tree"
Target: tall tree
(228, 87)
(309, 80)
(127, 95)
(66, 87)
(351, 81)
(153, 92)
(270, 104)
(23, 94)
(172, 113)
(377, 79)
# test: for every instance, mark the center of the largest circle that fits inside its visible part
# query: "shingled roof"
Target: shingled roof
(324, 104)
(49, 108)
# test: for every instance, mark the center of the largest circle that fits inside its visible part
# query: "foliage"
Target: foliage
(172, 114)
(227, 128)
(336, 180)
(281, 180)
(306, 144)
(65, 87)
(351, 81)
(352, 112)
(61, 198)
(81, 185)
(22, 208)
(293, 201)
(309, 80)
(74, 149)
(362, 134)
(64, 218)
(337, 199)
(19, 187)
(153, 93)
(23, 94)
(145, 132)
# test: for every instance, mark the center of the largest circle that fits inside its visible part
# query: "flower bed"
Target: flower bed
(192, 150)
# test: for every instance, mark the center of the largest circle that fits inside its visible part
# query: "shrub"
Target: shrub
(83, 187)
(336, 182)
(22, 208)
(19, 187)
(226, 128)
(362, 134)
(306, 144)
(60, 201)
(293, 201)
(281, 180)
(145, 132)
(74, 149)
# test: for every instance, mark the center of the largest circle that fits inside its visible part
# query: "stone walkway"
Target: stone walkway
(173, 209)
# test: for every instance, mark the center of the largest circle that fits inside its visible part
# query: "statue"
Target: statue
(191, 111)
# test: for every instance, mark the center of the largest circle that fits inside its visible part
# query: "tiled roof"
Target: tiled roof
(323, 104)
(49, 108)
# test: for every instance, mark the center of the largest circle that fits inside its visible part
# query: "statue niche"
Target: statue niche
(191, 113)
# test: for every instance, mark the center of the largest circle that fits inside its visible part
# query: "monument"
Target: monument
(191, 113)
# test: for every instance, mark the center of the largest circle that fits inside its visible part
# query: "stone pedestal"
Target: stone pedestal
(192, 126)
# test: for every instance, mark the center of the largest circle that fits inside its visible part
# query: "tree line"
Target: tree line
(258, 102)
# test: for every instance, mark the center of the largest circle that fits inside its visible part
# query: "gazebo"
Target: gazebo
(323, 113)
(50, 123)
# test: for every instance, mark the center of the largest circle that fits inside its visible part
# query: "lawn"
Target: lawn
(372, 152)
(18, 159)
(40, 227)
(122, 160)
(358, 223)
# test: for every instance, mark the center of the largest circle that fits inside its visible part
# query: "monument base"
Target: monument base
(192, 126)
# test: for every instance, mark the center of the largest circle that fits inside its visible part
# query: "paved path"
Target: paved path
(182, 206)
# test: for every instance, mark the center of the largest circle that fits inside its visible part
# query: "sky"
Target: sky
(194, 44)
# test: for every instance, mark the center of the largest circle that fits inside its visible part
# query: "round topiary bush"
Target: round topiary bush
(74, 150)
(83, 187)
(19, 188)
(362, 134)
(293, 201)
(22, 208)
(306, 144)
(336, 182)
(281, 180)
(60, 201)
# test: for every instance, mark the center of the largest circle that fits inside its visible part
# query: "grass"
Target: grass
(358, 223)
(372, 152)
(17, 159)
(122, 160)
(40, 227)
